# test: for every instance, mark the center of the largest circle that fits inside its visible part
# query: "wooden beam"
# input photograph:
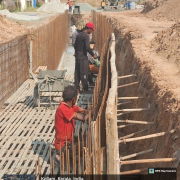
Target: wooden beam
(125, 85)
(135, 154)
(125, 98)
(123, 126)
(136, 171)
(148, 161)
(131, 75)
(134, 122)
(127, 102)
(132, 110)
(146, 137)
(133, 134)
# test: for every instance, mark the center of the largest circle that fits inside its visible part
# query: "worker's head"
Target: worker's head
(92, 45)
(89, 27)
(70, 94)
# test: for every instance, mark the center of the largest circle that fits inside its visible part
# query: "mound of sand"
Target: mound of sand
(167, 43)
(162, 9)
(10, 29)
(55, 6)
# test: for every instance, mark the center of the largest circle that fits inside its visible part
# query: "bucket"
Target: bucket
(127, 5)
(132, 5)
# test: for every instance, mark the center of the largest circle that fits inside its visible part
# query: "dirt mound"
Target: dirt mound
(167, 43)
(54, 6)
(10, 30)
(162, 9)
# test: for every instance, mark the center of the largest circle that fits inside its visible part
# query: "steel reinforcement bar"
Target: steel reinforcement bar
(49, 42)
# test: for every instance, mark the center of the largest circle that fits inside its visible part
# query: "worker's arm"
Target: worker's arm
(79, 117)
(83, 111)
(87, 46)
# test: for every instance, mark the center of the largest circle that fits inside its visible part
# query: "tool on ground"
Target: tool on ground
(49, 81)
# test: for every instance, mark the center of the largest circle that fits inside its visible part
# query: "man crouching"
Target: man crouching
(64, 120)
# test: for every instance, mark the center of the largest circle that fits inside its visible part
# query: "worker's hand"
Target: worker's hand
(86, 117)
(95, 56)
(86, 111)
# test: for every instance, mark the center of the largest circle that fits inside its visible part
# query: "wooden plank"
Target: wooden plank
(146, 137)
(142, 161)
(134, 122)
(135, 154)
(122, 77)
(136, 171)
(126, 85)
(132, 110)
(133, 134)
(126, 98)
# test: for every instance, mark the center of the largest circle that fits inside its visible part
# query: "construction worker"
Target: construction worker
(82, 46)
(64, 120)
(70, 5)
(93, 64)
(74, 35)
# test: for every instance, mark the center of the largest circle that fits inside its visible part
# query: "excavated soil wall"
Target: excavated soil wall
(158, 98)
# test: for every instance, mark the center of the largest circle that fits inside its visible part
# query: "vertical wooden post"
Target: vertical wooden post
(79, 158)
(50, 160)
(39, 167)
(74, 159)
(73, 151)
(53, 167)
(26, 5)
(82, 149)
(68, 166)
(2, 5)
(63, 163)
(60, 159)
(66, 153)
(17, 5)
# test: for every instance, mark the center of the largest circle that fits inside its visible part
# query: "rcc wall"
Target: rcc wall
(49, 42)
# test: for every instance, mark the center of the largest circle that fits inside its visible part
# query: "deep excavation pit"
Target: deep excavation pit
(158, 97)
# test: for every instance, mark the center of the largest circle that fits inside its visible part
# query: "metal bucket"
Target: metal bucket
(132, 5)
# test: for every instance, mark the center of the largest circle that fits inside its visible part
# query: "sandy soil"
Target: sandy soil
(143, 31)
(166, 9)
(148, 47)
(10, 29)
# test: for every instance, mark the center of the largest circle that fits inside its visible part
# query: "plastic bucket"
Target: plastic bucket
(132, 5)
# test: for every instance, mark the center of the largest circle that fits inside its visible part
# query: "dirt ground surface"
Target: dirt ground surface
(150, 49)
(166, 9)
(10, 29)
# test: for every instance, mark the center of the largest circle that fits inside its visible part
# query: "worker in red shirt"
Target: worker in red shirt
(64, 120)
(70, 4)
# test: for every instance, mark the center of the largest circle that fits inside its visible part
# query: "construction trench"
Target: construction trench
(132, 127)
